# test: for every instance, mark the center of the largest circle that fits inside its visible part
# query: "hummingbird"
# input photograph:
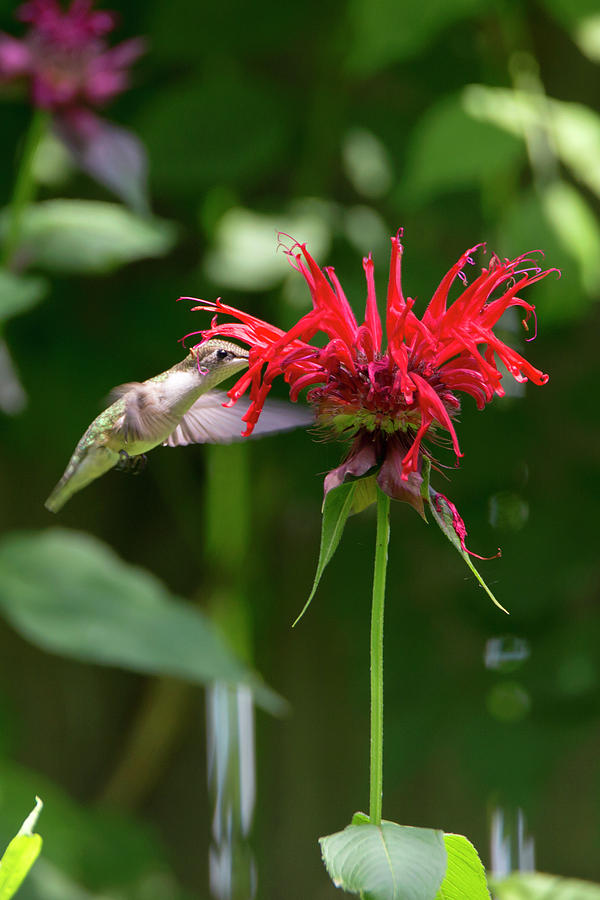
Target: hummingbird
(176, 408)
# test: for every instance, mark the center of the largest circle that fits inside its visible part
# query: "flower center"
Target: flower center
(374, 398)
(63, 63)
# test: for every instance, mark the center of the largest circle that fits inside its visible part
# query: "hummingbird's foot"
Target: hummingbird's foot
(132, 464)
(137, 464)
(125, 461)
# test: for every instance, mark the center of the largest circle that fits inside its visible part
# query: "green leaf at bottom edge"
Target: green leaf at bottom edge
(386, 861)
(465, 875)
(20, 855)
(538, 886)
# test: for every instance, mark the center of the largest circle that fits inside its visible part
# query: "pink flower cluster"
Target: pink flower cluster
(64, 55)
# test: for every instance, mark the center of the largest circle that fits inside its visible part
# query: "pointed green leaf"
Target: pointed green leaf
(337, 506)
(537, 886)
(443, 514)
(20, 855)
(465, 875)
(386, 862)
(70, 594)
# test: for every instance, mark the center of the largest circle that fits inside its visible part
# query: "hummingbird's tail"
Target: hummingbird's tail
(82, 469)
(59, 495)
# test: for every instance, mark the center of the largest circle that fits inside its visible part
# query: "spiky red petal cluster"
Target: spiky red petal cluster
(397, 394)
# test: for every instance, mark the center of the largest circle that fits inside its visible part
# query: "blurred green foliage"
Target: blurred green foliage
(461, 121)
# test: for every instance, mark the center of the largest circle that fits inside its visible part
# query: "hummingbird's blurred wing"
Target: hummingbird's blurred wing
(209, 422)
(122, 389)
(145, 413)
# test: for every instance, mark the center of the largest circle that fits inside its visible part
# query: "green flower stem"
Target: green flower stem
(24, 186)
(381, 556)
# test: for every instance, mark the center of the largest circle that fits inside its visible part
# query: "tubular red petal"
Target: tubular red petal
(437, 304)
(372, 318)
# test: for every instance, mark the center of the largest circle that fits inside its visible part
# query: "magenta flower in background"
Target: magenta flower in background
(70, 70)
(64, 55)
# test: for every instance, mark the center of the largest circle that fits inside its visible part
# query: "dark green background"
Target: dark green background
(249, 105)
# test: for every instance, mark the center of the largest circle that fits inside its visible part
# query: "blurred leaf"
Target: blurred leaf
(365, 229)
(367, 163)
(245, 254)
(387, 861)
(582, 20)
(70, 594)
(577, 229)
(449, 149)
(13, 398)
(573, 129)
(82, 845)
(527, 217)
(19, 293)
(20, 855)
(52, 163)
(112, 155)
(227, 127)
(535, 886)
(384, 32)
(587, 35)
(48, 882)
(337, 506)
(465, 875)
(444, 514)
(89, 236)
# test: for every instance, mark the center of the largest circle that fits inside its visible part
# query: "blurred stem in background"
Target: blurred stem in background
(512, 849)
(230, 708)
(12, 396)
(525, 75)
(24, 190)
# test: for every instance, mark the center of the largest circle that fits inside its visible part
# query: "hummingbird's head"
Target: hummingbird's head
(216, 360)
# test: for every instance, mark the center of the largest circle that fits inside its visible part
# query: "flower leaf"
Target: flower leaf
(386, 861)
(20, 855)
(465, 875)
(337, 506)
(444, 515)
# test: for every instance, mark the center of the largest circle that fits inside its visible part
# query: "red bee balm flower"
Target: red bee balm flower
(387, 401)
(65, 56)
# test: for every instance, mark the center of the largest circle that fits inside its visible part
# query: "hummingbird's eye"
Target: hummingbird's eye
(222, 354)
